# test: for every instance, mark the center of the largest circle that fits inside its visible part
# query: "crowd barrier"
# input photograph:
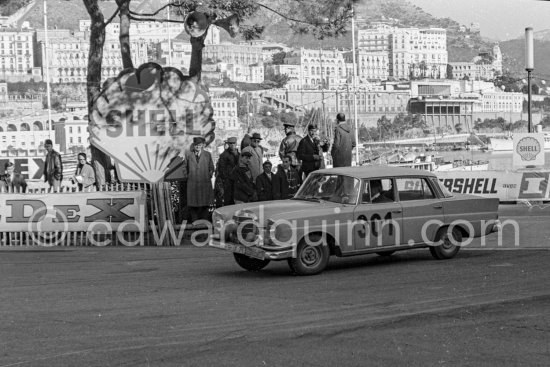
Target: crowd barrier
(114, 214)
(507, 186)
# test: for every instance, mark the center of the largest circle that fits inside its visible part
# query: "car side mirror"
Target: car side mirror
(345, 199)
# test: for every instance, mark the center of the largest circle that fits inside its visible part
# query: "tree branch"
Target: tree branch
(105, 24)
(180, 5)
(155, 20)
(124, 36)
(290, 18)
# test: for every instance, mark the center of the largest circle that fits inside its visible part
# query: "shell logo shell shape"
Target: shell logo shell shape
(528, 148)
(146, 116)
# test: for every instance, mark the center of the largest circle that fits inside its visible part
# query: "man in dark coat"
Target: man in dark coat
(289, 145)
(268, 185)
(244, 190)
(200, 168)
(228, 160)
(344, 142)
(308, 151)
(53, 167)
(289, 178)
(256, 155)
(12, 181)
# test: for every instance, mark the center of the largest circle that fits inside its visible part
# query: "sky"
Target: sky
(499, 19)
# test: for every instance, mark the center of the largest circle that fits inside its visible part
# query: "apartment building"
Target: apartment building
(407, 52)
(16, 55)
(67, 58)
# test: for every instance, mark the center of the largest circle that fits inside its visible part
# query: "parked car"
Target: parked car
(353, 211)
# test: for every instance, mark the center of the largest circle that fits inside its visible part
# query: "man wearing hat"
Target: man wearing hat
(12, 181)
(308, 151)
(344, 142)
(199, 168)
(289, 145)
(228, 160)
(244, 190)
(257, 155)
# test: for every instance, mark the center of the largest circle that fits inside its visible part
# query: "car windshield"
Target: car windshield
(334, 188)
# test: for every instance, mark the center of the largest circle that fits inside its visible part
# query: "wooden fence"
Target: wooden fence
(159, 211)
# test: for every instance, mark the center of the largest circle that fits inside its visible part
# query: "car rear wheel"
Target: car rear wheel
(385, 253)
(310, 258)
(249, 263)
(447, 239)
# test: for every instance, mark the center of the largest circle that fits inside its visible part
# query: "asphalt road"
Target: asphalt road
(189, 306)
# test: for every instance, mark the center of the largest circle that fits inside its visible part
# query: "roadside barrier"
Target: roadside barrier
(114, 214)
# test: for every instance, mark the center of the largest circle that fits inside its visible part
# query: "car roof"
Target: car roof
(376, 171)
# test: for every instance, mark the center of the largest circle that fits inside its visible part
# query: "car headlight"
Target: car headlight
(281, 232)
(246, 214)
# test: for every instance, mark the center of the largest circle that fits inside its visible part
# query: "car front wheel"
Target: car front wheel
(447, 240)
(249, 263)
(311, 258)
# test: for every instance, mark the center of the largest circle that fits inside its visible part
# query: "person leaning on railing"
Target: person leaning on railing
(84, 175)
(12, 181)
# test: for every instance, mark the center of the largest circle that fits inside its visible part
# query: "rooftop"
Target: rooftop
(376, 171)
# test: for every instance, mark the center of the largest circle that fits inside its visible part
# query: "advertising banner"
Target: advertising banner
(79, 211)
(504, 185)
(32, 168)
(146, 118)
(528, 150)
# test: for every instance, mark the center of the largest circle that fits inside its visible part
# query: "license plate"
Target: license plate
(240, 249)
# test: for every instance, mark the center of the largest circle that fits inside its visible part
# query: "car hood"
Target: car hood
(278, 209)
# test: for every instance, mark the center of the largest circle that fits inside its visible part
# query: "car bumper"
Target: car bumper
(251, 251)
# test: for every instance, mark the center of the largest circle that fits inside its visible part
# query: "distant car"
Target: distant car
(353, 211)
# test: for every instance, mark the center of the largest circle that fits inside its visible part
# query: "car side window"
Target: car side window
(379, 191)
(414, 189)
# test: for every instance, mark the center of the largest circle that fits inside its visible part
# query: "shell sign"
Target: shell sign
(146, 116)
(528, 150)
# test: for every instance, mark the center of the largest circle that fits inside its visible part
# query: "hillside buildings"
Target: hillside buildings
(67, 58)
(16, 55)
(485, 66)
(405, 52)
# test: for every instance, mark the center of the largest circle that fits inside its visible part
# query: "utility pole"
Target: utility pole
(47, 58)
(529, 67)
(355, 88)
(169, 36)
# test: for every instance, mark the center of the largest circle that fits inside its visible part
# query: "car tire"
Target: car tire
(309, 260)
(249, 263)
(447, 250)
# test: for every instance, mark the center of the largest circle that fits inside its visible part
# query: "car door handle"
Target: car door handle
(438, 206)
(396, 211)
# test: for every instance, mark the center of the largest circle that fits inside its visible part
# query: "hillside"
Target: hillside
(462, 46)
(514, 58)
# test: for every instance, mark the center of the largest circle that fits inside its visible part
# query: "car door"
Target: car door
(378, 216)
(421, 206)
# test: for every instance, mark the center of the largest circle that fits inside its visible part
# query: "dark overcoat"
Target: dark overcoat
(306, 150)
(290, 181)
(344, 142)
(199, 178)
(268, 189)
(243, 185)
